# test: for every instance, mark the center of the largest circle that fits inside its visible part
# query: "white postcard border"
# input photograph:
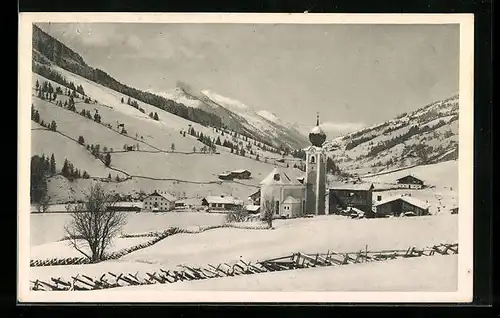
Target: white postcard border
(466, 152)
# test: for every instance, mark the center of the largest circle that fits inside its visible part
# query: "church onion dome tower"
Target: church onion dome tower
(317, 137)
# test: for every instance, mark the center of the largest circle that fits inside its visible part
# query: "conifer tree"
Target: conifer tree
(107, 159)
(52, 165)
(64, 170)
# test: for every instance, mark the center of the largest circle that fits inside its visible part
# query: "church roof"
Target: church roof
(317, 130)
(279, 177)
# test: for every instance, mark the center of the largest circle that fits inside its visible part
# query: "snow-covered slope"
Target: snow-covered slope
(426, 135)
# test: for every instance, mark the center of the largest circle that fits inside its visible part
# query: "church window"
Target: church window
(313, 159)
(277, 177)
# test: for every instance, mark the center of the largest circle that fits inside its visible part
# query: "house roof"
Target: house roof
(409, 176)
(284, 178)
(225, 174)
(164, 195)
(290, 199)
(413, 201)
(220, 199)
(352, 186)
(240, 171)
(357, 210)
(252, 208)
(256, 193)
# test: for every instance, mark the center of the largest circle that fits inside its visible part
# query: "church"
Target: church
(290, 196)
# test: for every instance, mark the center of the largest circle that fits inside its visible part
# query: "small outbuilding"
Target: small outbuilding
(454, 210)
(252, 209)
(125, 206)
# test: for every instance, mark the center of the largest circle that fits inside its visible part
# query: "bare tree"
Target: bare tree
(43, 205)
(239, 214)
(268, 213)
(93, 226)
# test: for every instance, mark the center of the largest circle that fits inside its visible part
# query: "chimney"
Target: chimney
(379, 198)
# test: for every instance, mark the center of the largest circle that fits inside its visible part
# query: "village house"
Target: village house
(454, 210)
(344, 196)
(254, 198)
(235, 174)
(220, 203)
(410, 182)
(397, 205)
(159, 201)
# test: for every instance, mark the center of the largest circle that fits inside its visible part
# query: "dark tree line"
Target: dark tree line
(299, 153)
(41, 168)
(414, 130)
(53, 75)
(71, 173)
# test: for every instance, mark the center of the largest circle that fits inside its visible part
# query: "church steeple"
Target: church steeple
(317, 137)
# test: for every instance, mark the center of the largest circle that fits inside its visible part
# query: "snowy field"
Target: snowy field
(426, 274)
(318, 234)
(47, 228)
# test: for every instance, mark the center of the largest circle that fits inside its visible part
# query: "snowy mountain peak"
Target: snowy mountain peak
(226, 102)
(178, 95)
(270, 116)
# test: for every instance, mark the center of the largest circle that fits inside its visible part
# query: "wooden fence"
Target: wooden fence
(188, 273)
(156, 237)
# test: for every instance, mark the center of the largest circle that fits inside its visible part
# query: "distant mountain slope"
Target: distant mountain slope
(426, 135)
(261, 122)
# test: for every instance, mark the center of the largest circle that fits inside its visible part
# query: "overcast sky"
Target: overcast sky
(353, 75)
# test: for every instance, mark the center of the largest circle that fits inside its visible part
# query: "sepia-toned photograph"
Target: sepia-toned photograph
(245, 157)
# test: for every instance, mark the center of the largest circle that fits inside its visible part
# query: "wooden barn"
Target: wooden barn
(241, 174)
(345, 196)
(410, 182)
(159, 201)
(226, 176)
(396, 206)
